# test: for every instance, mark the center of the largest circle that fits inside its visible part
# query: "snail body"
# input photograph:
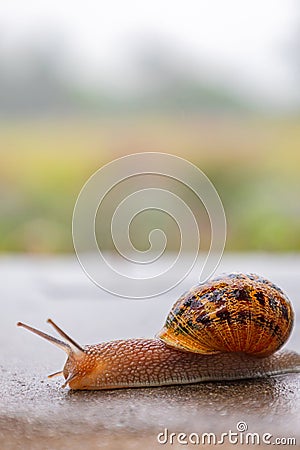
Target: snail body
(227, 329)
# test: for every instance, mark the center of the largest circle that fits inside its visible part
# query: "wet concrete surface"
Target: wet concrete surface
(36, 412)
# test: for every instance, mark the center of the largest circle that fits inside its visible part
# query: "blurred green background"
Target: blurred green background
(232, 111)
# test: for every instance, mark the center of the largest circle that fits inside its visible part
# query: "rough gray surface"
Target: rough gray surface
(36, 413)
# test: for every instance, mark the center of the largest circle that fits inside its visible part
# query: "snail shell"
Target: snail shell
(232, 313)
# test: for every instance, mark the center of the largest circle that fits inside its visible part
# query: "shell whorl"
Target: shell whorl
(231, 313)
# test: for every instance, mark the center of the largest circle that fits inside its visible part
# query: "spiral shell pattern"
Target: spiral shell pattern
(231, 313)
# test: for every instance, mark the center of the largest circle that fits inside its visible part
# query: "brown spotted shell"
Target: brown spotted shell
(231, 313)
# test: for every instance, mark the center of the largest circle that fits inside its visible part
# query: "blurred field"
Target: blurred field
(254, 162)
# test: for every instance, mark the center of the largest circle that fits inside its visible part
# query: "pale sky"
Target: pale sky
(243, 39)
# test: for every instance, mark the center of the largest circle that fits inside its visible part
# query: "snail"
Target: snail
(229, 328)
